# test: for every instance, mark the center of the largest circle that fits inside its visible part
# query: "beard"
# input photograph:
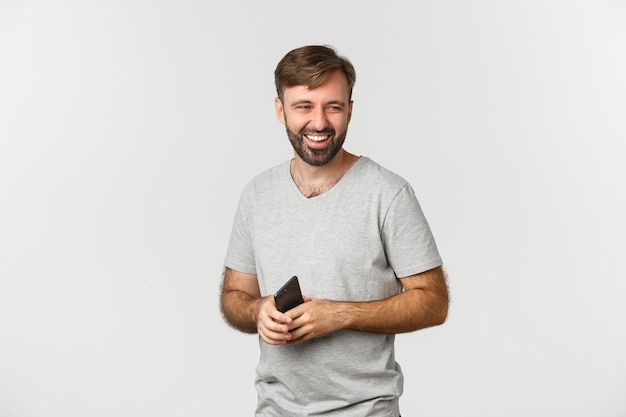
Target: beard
(316, 157)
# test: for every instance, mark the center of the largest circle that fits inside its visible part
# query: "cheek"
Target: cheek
(341, 123)
(294, 123)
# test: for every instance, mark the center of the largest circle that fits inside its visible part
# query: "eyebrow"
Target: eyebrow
(332, 102)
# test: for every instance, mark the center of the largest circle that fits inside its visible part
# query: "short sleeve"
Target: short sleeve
(407, 238)
(240, 252)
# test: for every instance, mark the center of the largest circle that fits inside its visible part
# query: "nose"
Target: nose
(318, 119)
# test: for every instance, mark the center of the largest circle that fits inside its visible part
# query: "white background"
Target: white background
(128, 128)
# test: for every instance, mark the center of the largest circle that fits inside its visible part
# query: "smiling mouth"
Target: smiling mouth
(317, 138)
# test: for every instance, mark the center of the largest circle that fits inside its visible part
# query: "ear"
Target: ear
(280, 110)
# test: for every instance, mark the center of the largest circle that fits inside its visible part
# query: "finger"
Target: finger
(273, 337)
(272, 329)
(279, 317)
(298, 336)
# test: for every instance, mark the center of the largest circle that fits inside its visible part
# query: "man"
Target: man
(354, 234)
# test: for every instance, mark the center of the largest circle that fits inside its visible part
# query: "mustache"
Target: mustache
(326, 131)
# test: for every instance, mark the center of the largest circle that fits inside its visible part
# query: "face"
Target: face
(317, 119)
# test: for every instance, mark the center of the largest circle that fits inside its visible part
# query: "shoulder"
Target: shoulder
(267, 184)
(375, 175)
(268, 178)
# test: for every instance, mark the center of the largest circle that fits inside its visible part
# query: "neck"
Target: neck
(315, 180)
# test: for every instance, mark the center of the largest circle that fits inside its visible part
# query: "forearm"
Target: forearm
(240, 300)
(423, 303)
(240, 310)
(411, 310)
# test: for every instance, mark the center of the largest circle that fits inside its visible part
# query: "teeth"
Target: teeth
(317, 138)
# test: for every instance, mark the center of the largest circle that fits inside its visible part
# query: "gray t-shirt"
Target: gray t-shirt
(351, 243)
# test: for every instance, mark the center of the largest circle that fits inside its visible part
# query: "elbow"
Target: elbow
(440, 312)
(441, 317)
(442, 305)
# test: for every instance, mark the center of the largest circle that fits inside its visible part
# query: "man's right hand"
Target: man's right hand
(272, 325)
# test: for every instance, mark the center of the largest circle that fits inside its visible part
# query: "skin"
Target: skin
(322, 109)
(325, 112)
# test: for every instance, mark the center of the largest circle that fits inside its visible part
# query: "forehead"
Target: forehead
(334, 88)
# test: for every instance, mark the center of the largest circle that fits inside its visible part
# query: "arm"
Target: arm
(245, 310)
(423, 303)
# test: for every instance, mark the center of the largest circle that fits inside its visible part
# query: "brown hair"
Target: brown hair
(311, 66)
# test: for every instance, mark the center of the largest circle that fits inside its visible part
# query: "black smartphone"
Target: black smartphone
(289, 295)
